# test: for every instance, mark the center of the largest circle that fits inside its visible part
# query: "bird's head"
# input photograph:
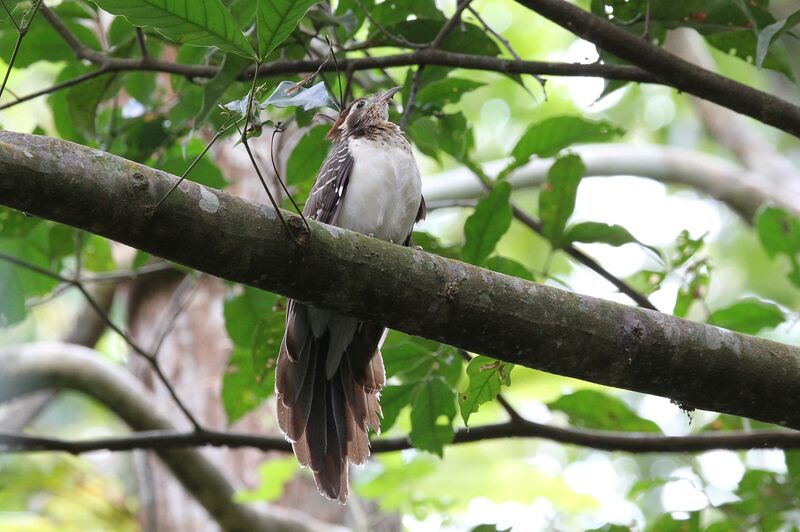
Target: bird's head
(361, 114)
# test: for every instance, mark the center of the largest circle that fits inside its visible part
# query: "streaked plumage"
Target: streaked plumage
(330, 370)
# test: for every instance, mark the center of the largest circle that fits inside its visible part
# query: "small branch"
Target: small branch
(634, 442)
(412, 94)
(55, 88)
(398, 39)
(142, 44)
(450, 25)
(668, 68)
(22, 30)
(569, 249)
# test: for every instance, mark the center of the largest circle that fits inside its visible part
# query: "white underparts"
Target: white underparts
(384, 189)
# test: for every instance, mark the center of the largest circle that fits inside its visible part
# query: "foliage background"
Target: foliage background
(691, 255)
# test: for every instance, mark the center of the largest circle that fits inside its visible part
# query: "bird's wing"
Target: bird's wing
(328, 192)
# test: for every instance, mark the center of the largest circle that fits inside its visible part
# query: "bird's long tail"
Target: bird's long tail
(327, 381)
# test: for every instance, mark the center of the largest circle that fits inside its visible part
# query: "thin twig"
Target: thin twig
(10, 15)
(221, 131)
(275, 131)
(22, 30)
(142, 44)
(569, 249)
(397, 39)
(111, 325)
(178, 303)
(55, 88)
(449, 25)
(412, 94)
(506, 44)
(254, 163)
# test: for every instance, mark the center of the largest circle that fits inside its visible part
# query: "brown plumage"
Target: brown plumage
(330, 370)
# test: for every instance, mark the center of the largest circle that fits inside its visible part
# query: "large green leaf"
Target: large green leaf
(249, 377)
(307, 156)
(557, 199)
(779, 233)
(748, 316)
(444, 91)
(193, 22)
(276, 20)
(428, 373)
(486, 376)
(596, 410)
(432, 411)
(552, 135)
(232, 65)
(487, 224)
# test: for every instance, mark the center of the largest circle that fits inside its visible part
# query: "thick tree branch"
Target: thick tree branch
(477, 310)
(46, 365)
(69, 366)
(668, 68)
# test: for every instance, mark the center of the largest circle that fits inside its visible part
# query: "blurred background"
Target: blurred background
(685, 178)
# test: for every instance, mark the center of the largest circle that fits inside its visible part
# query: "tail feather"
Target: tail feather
(325, 407)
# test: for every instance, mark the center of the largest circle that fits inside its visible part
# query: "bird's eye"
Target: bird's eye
(360, 104)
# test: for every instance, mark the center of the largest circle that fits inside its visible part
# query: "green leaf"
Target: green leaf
(595, 410)
(432, 411)
(276, 20)
(779, 233)
(769, 34)
(307, 156)
(250, 375)
(393, 400)
(177, 159)
(243, 312)
(487, 224)
(444, 91)
(508, 267)
(410, 359)
(601, 233)
(16, 224)
(486, 376)
(274, 474)
(468, 39)
(731, 26)
(83, 99)
(748, 316)
(96, 253)
(241, 392)
(557, 199)
(594, 232)
(552, 135)
(232, 65)
(192, 22)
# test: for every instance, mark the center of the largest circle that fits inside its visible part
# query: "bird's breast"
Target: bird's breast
(384, 189)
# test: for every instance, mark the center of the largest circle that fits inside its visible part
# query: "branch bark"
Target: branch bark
(33, 367)
(512, 320)
(668, 68)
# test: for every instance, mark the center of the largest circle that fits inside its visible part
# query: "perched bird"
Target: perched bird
(330, 372)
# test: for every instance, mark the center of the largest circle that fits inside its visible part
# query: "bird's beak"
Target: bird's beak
(388, 94)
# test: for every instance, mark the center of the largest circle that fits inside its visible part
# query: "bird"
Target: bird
(329, 370)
